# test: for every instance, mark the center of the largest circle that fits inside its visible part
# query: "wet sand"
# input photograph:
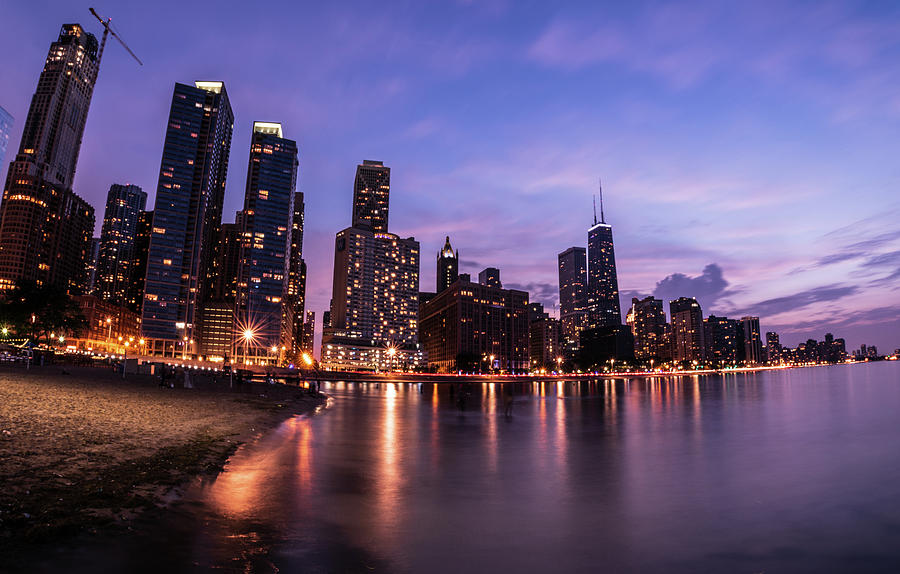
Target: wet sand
(86, 453)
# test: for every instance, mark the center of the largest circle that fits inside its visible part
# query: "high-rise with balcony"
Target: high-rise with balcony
(45, 228)
(124, 205)
(187, 216)
(264, 309)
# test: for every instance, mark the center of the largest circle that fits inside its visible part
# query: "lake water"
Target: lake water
(779, 471)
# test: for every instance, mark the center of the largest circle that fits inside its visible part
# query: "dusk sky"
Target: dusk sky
(748, 154)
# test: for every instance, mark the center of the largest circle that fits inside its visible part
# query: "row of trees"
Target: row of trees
(38, 311)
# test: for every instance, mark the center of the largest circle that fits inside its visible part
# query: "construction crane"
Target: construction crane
(107, 29)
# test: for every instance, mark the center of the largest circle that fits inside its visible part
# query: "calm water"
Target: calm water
(788, 471)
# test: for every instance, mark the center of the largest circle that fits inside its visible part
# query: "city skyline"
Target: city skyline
(675, 236)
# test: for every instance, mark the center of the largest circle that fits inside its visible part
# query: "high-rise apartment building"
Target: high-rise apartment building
(723, 340)
(124, 204)
(447, 266)
(309, 334)
(687, 330)
(374, 308)
(543, 343)
(264, 309)
(773, 347)
(371, 192)
(6, 124)
(187, 215)
(573, 285)
(295, 297)
(490, 276)
(648, 325)
(753, 351)
(603, 284)
(45, 228)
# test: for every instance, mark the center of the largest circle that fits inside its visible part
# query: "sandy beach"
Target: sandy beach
(85, 452)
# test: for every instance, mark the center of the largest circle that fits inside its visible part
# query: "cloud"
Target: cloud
(823, 294)
(707, 288)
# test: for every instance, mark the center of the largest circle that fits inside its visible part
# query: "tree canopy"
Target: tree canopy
(36, 311)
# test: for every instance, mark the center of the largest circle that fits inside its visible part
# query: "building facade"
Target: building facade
(6, 125)
(773, 347)
(371, 195)
(687, 331)
(603, 284)
(45, 228)
(490, 276)
(753, 348)
(134, 292)
(124, 205)
(447, 266)
(543, 344)
(723, 338)
(573, 285)
(187, 215)
(648, 325)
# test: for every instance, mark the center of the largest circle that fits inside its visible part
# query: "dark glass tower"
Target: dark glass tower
(6, 123)
(134, 293)
(188, 212)
(603, 285)
(296, 282)
(45, 228)
(266, 249)
(124, 204)
(371, 192)
(447, 266)
(572, 292)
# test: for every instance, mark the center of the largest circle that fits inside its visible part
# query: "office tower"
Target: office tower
(752, 340)
(371, 192)
(6, 124)
(603, 284)
(648, 327)
(45, 228)
(490, 277)
(572, 292)
(309, 333)
(124, 204)
(217, 314)
(722, 337)
(373, 320)
(134, 291)
(90, 271)
(447, 266)
(295, 295)
(773, 347)
(687, 330)
(466, 325)
(187, 215)
(543, 343)
(264, 308)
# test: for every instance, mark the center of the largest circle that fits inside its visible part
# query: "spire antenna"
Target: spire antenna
(602, 217)
(594, 197)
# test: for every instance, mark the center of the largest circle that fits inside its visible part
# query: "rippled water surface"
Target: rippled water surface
(784, 471)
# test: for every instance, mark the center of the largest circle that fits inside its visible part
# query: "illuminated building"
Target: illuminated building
(6, 123)
(447, 266)
(263, 304)
(187, 215)
(45, 228)
(603, 285)
(309, 333)
(490, 277)
(648, 325)
(295, 295)
(543, 342)
(108, 327)
(468, 324)
(572, 294)
(723, 338)
(687, 330)
(375, 289)
(124, 204)
(773, 347)
(371, 192)
(753, 353)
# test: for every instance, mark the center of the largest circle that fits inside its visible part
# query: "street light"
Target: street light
(248, 336)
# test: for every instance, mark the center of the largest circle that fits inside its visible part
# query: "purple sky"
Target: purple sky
(748, 151)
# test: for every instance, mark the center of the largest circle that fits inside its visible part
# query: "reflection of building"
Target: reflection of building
(124, 205)
(447, 266)
(45, 228)
(572, 293)
(375, 290)
(262, 300)
(687, 328)
(752, 340)
(188, 214)
(648, 324)
(109, 327)
(468, 323)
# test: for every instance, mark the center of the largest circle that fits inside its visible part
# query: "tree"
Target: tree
(36, 311)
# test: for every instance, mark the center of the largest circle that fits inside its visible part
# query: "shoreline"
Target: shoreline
(84, 454)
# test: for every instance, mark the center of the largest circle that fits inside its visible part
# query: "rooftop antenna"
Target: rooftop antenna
(594, 197)
(602, 217)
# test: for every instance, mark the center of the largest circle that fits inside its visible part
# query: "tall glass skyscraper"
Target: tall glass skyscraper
(263, 308)
(573, 283)
(603, 285)
(187, 216)
(124, 204)
(45, 228)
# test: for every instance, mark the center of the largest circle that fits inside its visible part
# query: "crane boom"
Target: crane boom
(107, 29)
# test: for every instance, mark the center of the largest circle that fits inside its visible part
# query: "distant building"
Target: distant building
(543, 346)
(134, 292)
(648, 325)
(124, 205)
(371, 194)
(90, 271)
(573, 286)
(466, 325)
(603, 285)
(687, 328)
(753, 352)
(447, 266)
(45, 228)
(490, 277)
(773, 347)
(722, 337)
(187, 217)
(604, 347)
(295, 299)
(6, 124)
(309, 333)
(109, 327)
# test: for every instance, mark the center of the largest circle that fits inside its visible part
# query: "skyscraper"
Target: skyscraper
(371, 192)
(90, 270)
(490, 276)
(219, 331)
(648, 328)
(188, 213)
(773, 347)
(603, 284)
(752, 340)
(722, 337)
(374, 306)
(296, 284)
(687, 328)
(124, 205)
(447, 266)
(572, 293)
(134, 293)
(6, 124)
(266, 250)
(45, 228)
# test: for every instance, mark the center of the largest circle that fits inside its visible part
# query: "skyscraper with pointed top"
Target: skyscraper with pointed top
(603, 284)
(447, 266)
